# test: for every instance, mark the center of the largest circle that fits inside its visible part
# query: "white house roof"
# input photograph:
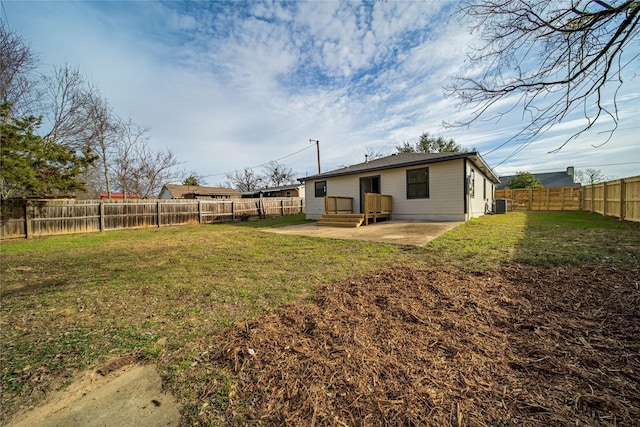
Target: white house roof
(404, 160)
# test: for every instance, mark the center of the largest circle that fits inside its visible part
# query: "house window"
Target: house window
(472, 183)
(321, 188)
(418, 183)
(484, 188)
(288, 193)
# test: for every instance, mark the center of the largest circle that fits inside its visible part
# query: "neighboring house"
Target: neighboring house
(175, 191)
(423, 186)
(550, 179)
(291, 190)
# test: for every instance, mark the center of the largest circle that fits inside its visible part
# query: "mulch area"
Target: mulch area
(403, 347)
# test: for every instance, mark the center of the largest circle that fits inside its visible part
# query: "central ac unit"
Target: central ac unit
(500, 206)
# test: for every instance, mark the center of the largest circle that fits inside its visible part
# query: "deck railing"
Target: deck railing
(377, 206)
(377, 203)
(338, 204)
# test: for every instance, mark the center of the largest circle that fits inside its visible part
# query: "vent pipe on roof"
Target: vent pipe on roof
(366, 158)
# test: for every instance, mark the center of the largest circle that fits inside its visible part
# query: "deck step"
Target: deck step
(341, 220)
(338, 224)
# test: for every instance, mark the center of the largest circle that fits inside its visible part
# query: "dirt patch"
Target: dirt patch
(119, 394)
(520, 346)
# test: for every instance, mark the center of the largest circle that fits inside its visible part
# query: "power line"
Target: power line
(524, 145)
(4, 12)
(261, 165)
(589, 166)
(609, 164)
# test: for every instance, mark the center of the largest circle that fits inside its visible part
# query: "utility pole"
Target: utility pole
(318, 149)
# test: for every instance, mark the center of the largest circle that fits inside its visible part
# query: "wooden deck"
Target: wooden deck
(338, 210)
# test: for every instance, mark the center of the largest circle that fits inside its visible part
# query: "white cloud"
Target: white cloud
(228, 87)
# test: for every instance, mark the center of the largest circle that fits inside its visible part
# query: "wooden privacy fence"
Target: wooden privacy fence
(619, 198)
(30, 218)
(541, 199)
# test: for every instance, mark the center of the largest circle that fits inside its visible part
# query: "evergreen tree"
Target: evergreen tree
(430, 144)
(191, 180)
(524, 180)
(31, 166)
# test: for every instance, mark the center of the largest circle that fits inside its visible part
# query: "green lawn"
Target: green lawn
(73, 302)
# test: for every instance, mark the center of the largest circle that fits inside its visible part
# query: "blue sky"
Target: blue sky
(233, 85)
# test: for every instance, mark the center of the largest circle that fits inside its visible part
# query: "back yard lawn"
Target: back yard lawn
(513, 319)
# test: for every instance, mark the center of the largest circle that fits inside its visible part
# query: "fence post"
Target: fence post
(199, 211)
(158, 215)
(548, 199)
(604, 199)
(593, 198)
(27, 220)
(233, 211)
(581, 199)
(530, 198)
(101, 215)
(623, 207)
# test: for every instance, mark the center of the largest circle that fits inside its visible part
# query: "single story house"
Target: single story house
(291, 190)
(549, 179)
(175, 191)
(422, 186)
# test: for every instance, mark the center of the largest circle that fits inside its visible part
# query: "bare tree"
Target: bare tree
(124, 154)
(94, 182)
(156, 168)
(276, 174)
(17, 65)
(101, 133)
(371, 154)
(550, 59)
(68, 100)
(244, 181)
(590, 176)
(136, 167)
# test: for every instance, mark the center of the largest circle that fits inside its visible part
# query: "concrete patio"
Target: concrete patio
(414, 233)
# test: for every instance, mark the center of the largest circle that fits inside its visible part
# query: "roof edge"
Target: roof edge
(454, 156)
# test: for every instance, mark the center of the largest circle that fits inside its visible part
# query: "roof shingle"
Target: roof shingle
(402, 160)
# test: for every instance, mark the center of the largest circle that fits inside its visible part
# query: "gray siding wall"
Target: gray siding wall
(446, 200)
(480, 201)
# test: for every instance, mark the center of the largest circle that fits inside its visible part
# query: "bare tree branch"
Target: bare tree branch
(17, 65)
(548, 58)
(68, 101)
(276, 174)
(243, 181)
(101, 132)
